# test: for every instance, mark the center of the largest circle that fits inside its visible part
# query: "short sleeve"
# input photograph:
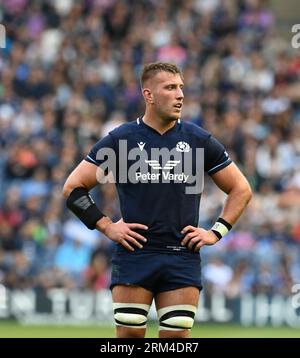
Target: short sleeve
(215, 156)
(99, 150)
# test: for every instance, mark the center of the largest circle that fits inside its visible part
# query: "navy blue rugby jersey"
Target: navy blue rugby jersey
(159, 177)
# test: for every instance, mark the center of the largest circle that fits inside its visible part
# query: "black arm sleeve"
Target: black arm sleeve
(83, 206)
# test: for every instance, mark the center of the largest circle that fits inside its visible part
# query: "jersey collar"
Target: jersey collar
(140, 122)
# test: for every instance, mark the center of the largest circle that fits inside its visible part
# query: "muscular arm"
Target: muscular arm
(232, 182)
(86, 175)
(83, 176)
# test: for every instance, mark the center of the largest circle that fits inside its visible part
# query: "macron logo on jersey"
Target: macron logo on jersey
(141, 145)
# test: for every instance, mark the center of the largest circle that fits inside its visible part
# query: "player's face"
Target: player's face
(167, 95)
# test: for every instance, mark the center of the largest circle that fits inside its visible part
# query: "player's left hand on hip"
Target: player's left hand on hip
(196, 237)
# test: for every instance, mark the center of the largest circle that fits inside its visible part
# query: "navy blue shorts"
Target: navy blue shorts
(155, 271)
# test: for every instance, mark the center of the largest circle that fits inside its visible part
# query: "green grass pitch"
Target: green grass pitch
(15, 330)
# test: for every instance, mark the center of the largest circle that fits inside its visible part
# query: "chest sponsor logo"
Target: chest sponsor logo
(169, 165)
(157, 165)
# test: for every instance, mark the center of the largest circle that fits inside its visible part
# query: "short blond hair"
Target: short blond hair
(151, 69)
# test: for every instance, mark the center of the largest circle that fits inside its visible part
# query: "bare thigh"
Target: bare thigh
(181, 296)
(131, 294)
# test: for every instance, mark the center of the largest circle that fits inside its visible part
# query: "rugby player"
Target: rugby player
(158, 238)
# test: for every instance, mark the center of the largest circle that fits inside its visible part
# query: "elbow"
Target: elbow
(243, 193)
(247, 193)
(69, 186)
(67, 189)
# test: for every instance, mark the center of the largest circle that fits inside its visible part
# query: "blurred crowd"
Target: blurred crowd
(70, 74)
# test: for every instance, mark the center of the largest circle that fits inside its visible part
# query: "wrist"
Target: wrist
(220, 228)
(103, 223)
(214, 234)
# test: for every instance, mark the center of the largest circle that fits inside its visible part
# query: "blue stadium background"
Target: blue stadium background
(69, 74)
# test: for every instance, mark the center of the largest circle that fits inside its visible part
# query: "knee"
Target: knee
(177, 318)
(131, 315)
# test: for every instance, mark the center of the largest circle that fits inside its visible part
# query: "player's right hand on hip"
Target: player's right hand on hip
(124, 234)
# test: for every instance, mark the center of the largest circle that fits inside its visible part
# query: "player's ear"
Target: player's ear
(147, 95)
